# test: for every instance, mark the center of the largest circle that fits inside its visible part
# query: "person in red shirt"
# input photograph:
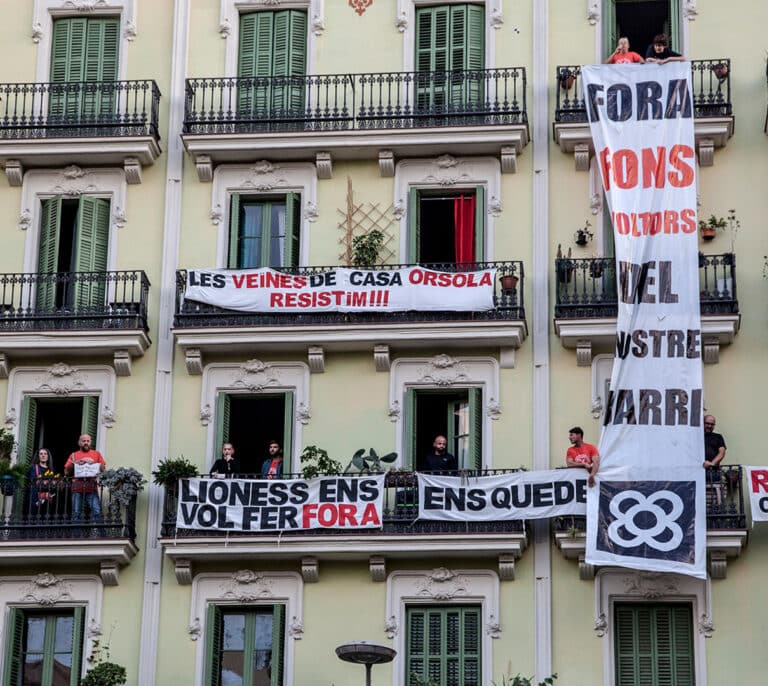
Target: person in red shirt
(582, 454)
(623, 55)
(85, 488)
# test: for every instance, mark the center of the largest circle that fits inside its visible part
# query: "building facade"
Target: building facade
(143, 140)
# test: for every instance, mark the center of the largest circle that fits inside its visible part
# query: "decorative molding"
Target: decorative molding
(689, 10)
(596, 196)
(108, 418)
(109, 571)
(184, 573)
(602, 368)
(507, 357)
(584, 352)
(495, 207)
(10, 418)
(204, 167)
(581, 156)
(14, 171)
(316, 359)
(381, 359)
(193, 359)
(593, 11)
(377, 565)
(132, 168)
(25, 220)
(718, 564)
(386, 163)
(251, 588)
(393, 411)
(205, 415)
(586, 571)
(601, 625)
(508, 159)
(507, 567)
(255, 375)
(706, 627)
(310, 570)
(360, 6)
(37, 32)
(324, 165)
(122, 363)
(497, 18)
(493, 409)
(61, 379)
(263, 176)
(4, 368)
(706, 150)
(303, 414)
(317, 24)
(401, 23)
(442, 370)
(651, 585)
(710, 350)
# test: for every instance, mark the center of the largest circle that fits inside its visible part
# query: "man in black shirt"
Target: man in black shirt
(659, 52)
(227, 465)
(714, 444)
(439, 460)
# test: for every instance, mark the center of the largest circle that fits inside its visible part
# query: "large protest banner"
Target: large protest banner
(343, 290)
(336, 502)
(523, 495)
(647, 510)
(757, 483)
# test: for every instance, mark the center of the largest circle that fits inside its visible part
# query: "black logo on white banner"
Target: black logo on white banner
(652, 519)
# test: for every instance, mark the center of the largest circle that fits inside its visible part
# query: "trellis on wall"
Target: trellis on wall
(360, 219)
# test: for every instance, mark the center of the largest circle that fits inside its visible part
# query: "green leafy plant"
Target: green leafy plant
(518, 680)
(365, 248)
(102, 672)
(169, 471)
(583, 235)
(7, 444)
(124, 484)
(372, 462)
(315, 461)
(13, 475)
(418, 681)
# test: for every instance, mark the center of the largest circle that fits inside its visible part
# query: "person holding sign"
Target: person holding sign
(272, 468)
(86, 464)
(227, 465)
(623, 55)
(582, 454)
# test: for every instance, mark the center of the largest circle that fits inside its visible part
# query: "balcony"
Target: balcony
(202, 329)
(586, 305)
(726, 525)
(76, 313)
(102, 123)
(402, 536)
(38, 528)
(713, 115)
(380, 116)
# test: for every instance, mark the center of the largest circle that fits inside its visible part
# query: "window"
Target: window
(640, 21)
(273, 60)
(264, 232)
(83, 50)
(250, 422)
(446, 227)
(245, 646)
(443, 644)
(455, 414)
(74, 237)
(43, 648)
(56, 424)
(654, 644)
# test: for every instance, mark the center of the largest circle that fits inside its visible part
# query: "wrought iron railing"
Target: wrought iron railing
(79, 108)
(507, 300)
(399, 515)
(74, 300)
(586, 287)
(724, 496)
(711, 91)
(330, 102)
(45, 509)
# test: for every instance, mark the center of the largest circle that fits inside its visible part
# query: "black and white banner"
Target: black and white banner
(335, 502)
(523, 495)
(647, 509)
(757, 483)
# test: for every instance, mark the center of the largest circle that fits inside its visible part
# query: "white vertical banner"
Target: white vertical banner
(647, 509)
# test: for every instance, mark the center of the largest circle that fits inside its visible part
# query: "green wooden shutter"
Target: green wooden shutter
(101, 62)
(234, 231)
(414, 224)
(89, 423)
(222, 422)
(48, 255)
(610, 34)
(28, 425)
(278, 639)
(479, 224)
(77, 646)
(213, 642)
(14, 635)
(432, 55)
(67, 66)
(475, 429)
(287, 431)
(415, 662)
(91, 252)
(292, 229)
(254, 61)
(673, 32)
(411, 460)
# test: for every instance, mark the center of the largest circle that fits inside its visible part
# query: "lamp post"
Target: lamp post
(365, 653)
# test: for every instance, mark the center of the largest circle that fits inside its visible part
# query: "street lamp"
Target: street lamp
(365, 653)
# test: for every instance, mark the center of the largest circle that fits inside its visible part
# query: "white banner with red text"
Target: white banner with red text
(647, 510)
(757, 483)
(335, 502)
(522, 495)
(343, 290)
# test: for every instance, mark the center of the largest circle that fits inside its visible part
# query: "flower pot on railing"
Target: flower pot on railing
(8, 484)
(565, 272)
(720, 71)
(508, 284)
(596, 269)
(566, 78)
(708, 233)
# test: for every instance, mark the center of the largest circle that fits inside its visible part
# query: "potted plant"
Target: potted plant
(7, 444)
(365, 248)
(518, 680)
(102, 672)
(583, 235)
(713, 224)
(565, 265)
(596, 266)
(566, 78)
(720, 70)
(11, 476)
(508, 284)
(368, 463)
(124, 484)
(169, 472)
(315, 462)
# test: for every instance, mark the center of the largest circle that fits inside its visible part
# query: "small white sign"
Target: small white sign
(85, 469)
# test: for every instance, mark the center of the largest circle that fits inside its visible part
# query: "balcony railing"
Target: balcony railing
(399, 516)
(76, 109)
(711, 91)
(73, 300)
(332, 102)
(586, 287)
(43, 510)
(507, 299)
(724, 497)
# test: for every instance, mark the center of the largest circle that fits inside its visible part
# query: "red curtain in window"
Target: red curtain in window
(464, 223)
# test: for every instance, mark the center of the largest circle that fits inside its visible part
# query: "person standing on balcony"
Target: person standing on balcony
(659, 52)
(272, 467)
(44, 483)
(582, 454)
(623, 55)
(227, 465)
(439, 459)
(85, 485)
(714, 444)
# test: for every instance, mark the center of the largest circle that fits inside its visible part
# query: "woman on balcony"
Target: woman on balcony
(44, 484)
